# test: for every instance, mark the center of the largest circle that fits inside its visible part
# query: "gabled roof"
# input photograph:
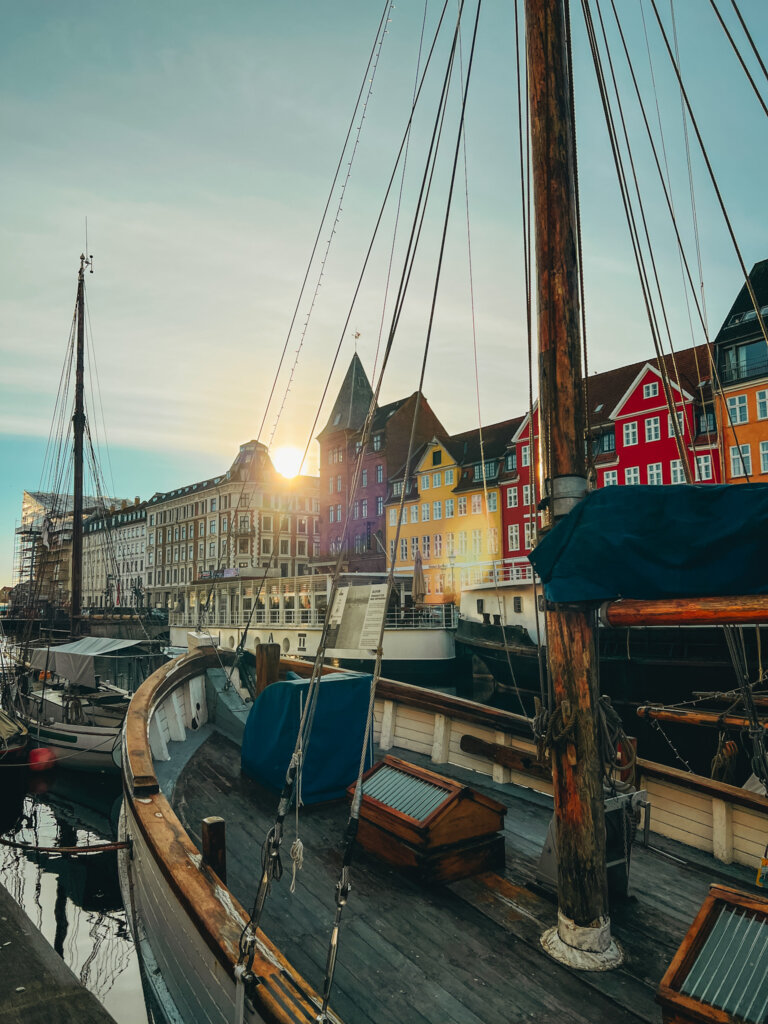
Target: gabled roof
(742, 324)
(465, 447)
(605, 390)
(352, 402)
(384, 412)
(655, 372)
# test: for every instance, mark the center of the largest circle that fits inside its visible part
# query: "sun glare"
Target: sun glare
(287, 460)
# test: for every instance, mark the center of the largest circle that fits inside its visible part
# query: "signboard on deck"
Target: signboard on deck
(356, 618)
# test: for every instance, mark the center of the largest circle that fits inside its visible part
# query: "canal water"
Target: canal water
(74, 901)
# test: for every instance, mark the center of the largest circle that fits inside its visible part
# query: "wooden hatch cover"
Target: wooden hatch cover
(428, 824)
(720, 972)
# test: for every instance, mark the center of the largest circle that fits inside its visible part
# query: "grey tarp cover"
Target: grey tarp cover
(685, 540)
(75, 661)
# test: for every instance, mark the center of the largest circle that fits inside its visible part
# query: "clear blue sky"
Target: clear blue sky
(199, 140)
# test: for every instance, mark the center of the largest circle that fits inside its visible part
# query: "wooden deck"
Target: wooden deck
(463, 954)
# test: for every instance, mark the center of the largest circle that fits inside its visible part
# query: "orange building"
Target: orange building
(741, 353)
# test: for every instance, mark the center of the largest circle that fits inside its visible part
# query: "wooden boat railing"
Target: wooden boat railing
(282, 996)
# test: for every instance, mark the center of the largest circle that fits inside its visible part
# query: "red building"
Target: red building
(633, 438)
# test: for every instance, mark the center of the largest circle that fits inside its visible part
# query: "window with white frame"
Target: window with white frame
(630, 433)
(477, 542)
(438, 544)
(493, 541)
(652, 428)
(703, 467)
(450, 544)
(737, 408)
(425, 512)
(610, 478)
(492, 501)
(525, 455)
(655, 475)
(437, 479)
(437, 510)
(331, 513)
(526, 495)
(338, 483)
(425, 481)
(364, 480)
(380, 505)
(414, 513)
(462, 507)
(463, 542)
(632, 475)
(449, 477)
(425, 545)
(528, 535)
(404, 517)
(364, 508)
(449, 508)
(651, 390)
(676, 474)
(513, 537)
(764, 456)
(762, 405)
(680, 424)
(403, 549)
(511, 497)
(414, 546)
(392, 551)
(741, 460)
(379, 473)
(477, 503)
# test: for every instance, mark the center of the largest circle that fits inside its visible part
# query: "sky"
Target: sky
(200, 142)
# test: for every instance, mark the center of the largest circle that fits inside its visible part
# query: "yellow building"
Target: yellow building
(450, 515)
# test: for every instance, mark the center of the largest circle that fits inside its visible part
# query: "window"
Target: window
(650, 390)
(477, 542)
(364, 508)
(212, 549)
(737, 408)
(338, 513)
(397, 488)
(211, 527)
(331, 514)
(449, 508)
(762, 405)
(741, 460)
(676, 474)
(224, 526)
(285, 547)
(450, 544)
(525, 454)
(463, 506)
(526, 495)
(492, 501)
(301, 525)
(437, 479)
(449, 477)
(425, 512)
(652, 428)
(414, 546)
(356, 510)
(201, 550)
(511, 497)
(403, 549)
(513, 537)
(437, 457)
(391, 551)
(379, 473)
(477, 503)
(380, 506)
(330, 486)
(266, 545)
(493, 541)
(632, 475)
(528, 536)
(764, 456)
(338, 483)
(437, 510)
(364, 478)
(630, 433)
(463, 542)
(404, 517)
(377, 439)
(703, 467)
(510, 462)
(425, 542)
(438, 542)
(680, 424)
(266, 523)
(610, 478)
(655, 474)
(425, 481)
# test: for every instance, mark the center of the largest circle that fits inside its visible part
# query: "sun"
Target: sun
(287, 459)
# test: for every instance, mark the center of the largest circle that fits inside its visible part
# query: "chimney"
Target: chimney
(137, 500)
(123, 503)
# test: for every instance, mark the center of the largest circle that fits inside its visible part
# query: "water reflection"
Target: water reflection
(74, 901)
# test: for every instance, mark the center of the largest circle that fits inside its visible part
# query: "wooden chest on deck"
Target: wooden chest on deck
(427, 824)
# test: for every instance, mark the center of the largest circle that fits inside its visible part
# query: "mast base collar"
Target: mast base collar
(566, 493)
(583, 949)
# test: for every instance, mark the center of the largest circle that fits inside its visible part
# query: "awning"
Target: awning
(75, 661)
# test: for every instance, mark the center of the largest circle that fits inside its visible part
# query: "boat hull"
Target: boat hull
(80, 747)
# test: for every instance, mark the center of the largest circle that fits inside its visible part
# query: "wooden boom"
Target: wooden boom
(709, 718)
(679, 611)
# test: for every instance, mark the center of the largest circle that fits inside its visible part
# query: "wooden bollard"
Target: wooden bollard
(267, 665)
(215, 846)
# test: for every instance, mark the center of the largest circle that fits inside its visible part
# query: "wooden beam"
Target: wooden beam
(267, 665)
(214, 836)
(679, 611)
(507, 756)
(708, 718)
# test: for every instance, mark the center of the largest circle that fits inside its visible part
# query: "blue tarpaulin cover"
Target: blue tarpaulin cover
(655, 542)
(332, 756)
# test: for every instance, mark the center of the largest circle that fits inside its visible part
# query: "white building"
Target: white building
(115, 557)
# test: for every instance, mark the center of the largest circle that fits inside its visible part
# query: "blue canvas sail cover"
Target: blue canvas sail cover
(332, 757)
(655, 542)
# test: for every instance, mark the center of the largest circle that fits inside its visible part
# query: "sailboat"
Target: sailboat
(423, 926)
(63, 693)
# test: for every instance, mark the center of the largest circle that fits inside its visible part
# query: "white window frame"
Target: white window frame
(629, 433)
(653, 428)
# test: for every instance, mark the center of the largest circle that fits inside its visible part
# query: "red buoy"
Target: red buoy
(41, 759)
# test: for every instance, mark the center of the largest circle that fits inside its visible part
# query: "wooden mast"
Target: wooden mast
(78, 423)
(582, 937)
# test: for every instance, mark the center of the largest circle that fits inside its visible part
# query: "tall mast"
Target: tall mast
(78, 423)
(583, 936)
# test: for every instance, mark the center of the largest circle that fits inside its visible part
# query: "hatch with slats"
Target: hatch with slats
(415, 797)
(720, 971)
(429, 824)
(731, 971)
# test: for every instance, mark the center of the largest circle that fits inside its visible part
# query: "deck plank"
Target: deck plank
(460, 954)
